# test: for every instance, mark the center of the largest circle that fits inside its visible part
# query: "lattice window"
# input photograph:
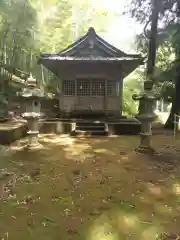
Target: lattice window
(69, 87)
(111, 88)
(98, 87)
(83, 87)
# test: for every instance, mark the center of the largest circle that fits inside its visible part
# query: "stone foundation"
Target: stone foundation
(125, 127)
(55, 127)
(122, 126)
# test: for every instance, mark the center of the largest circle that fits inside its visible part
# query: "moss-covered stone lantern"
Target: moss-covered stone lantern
(146, 115)
(32, 95)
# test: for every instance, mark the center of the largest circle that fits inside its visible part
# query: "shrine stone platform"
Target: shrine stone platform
(11, 131)
(112, 126)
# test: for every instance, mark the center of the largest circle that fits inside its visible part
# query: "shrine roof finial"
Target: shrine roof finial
(91, 31)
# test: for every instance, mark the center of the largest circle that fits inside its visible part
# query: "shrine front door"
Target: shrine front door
(90, 94)
(98, 94)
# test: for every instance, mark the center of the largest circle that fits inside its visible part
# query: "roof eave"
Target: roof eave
(54, 57)
(51, 65)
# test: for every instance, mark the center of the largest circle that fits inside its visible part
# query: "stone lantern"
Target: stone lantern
(146, 116)
(3, 108)
(32, 95)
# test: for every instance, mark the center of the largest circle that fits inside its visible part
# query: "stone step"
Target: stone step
(89, 133)
(89, 124)
(90, 127)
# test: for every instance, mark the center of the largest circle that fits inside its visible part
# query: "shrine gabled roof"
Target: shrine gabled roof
(90, 47)
(94, 41)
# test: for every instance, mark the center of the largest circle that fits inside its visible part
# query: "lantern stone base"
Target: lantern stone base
(145, 149)
(34, 147)
(145, 144)
(33, 142)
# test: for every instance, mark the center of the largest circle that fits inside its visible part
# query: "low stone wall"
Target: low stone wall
(12, 131)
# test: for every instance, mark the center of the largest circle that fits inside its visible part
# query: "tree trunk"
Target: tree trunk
(175, 109)
(151, 48)
(152, 40)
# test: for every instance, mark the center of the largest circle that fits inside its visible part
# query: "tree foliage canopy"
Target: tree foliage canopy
(167, 73)
(28, 27)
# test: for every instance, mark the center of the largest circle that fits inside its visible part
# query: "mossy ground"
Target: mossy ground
(90, 188)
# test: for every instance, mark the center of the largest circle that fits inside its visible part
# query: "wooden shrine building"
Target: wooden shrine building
(90, 73)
